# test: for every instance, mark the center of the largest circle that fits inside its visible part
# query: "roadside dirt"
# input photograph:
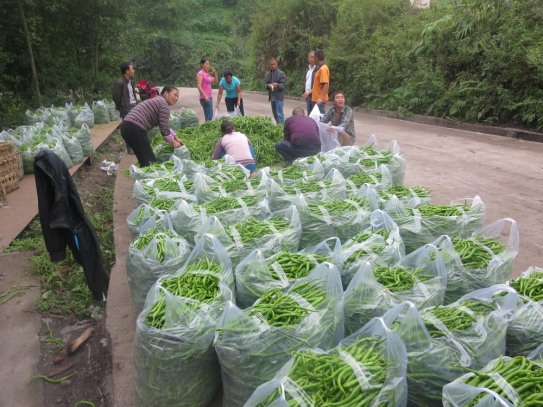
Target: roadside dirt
(91, 363)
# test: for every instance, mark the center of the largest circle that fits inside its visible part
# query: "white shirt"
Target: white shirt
(308, 77)
(131, 93)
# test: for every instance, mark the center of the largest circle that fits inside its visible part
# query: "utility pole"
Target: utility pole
(34, 73)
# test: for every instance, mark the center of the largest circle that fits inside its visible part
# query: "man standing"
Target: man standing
(275, 84)
(308, 81)
(124, 93)
(321, 83)
(301, 137)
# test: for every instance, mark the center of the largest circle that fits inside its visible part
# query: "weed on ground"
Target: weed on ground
(64, 288)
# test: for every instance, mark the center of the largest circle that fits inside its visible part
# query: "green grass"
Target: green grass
(64, 287)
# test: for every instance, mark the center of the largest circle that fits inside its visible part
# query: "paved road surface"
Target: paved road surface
(506, 173)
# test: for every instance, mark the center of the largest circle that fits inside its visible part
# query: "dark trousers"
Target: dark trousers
(231, 105)
(309, 105)
(291, 151)
(123, 115)
(139, 141)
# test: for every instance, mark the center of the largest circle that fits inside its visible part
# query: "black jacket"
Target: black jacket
(64, 222)
(120, 95)
(312, 79)
(279, 77)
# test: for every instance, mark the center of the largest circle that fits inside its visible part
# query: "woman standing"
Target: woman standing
(142, 118)
(233, 98)
(203, 82)
(341, 116)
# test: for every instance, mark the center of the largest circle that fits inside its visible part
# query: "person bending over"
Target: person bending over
(145, 116)
(341, 116)
(233, 98)
(236, 145)
(301, 137)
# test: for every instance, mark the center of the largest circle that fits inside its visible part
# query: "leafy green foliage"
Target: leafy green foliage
(470, 60)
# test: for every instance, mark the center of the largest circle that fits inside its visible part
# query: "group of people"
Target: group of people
(301, 132)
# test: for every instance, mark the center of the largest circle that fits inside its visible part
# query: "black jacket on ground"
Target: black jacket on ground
(64, 222)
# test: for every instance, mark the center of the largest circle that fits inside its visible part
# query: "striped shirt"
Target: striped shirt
(151, 113)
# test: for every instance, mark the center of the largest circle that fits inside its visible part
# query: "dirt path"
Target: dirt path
(61, 310)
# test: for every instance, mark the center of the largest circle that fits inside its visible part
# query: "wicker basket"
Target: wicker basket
(19, 158)
(9, 171)
(3, 196)
(5, 148)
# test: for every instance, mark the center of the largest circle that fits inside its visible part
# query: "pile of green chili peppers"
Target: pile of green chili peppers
(201, 287)
(523, 375)
(329, 380)
(253, 229)
(282, 310)
(294, 265)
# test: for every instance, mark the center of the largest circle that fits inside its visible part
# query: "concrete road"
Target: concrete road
(506, 173)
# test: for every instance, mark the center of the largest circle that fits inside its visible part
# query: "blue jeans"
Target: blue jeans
(277, 110)
(208, 109)
(250, 167)
(291, 151)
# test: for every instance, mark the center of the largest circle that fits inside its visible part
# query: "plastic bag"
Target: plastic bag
(145, 266)
(41, 115)
(366, 298)
(269, 243)
(251, 351)
(177, 365)
(114, 114)
(188, 219)
(461, 394)
(294, 173)
(157, 170)
(84, 137)
(463, 279)
(256, 274)
(435, 360)
(101, 113)
(417, 230)
(188, 118)
(29, 152)
(226, 115)
(72, 146)
(379, 243)
(146, 217)
(85, 117)
(145, 190)
(316, 114)
(329, 136)
(379, 178)
(391, 156)
(525, 331)
(154, 132)
(332, 187)
(182, 153)
(319, 223)
(390, 390)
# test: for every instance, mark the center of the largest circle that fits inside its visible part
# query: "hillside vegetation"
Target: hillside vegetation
(468, 60)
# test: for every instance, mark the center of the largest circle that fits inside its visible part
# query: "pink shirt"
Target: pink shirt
(206, 83)
(236, 145)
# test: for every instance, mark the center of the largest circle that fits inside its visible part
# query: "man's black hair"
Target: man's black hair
(319, 55)
(125, 66)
